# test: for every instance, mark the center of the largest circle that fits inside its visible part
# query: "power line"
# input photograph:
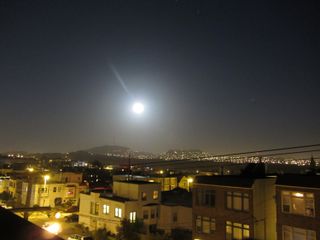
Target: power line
(256, 154)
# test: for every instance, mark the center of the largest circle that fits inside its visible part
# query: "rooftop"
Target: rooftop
(228, 180)
(137, 182)
(299, 180)
(177, 197)
(115, 198)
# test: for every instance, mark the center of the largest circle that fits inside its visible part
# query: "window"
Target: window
(155, 195)
(43, 190)
(94, 208)
(118, 212)
(54, 189)
(237, 231)
(298, 203)
(205, 198)
(143, 196)
(293, 233)
(145, 214)
(238, 201)
(205, 225)
(152, 213)
(132, 216)
(175, 217)
(105, 209)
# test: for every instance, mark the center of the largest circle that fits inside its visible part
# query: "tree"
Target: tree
(5, 196)
(130, 230)
(100, 234)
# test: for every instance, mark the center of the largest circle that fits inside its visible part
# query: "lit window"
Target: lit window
(118, 212)
(143, 196)
(155, 195)
(205, 224)
(238, 201)
(298, 203)
(292, 233)
(237, 231)
(132, 216)
(105, 209)
(94, 208)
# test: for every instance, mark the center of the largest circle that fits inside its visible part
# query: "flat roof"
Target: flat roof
(299, 180)
(115, 198)
(228, 180)
(137, 182)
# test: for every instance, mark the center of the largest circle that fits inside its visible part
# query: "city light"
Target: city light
(297, 194)
(57, 215)
(138, 108)
(54, 228)
(46, 178)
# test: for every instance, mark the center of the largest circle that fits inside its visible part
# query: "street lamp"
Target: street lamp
(46, 178)
(189, 180)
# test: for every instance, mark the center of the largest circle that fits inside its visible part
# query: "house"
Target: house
(175, 211)
(234, 207)
(298, 204)
(130, 200)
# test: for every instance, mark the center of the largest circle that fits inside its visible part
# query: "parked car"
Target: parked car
(72, 218)
(79, 237)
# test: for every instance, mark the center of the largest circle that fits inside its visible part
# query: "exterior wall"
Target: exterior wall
(185, 183)
(264, 209)
(167, 183)
(134, 191)
(220, 211)
(53, 192)
(133, 204)
(67, 177)
(101, 220)
(299, 221)
(4, 184)
(166, 222)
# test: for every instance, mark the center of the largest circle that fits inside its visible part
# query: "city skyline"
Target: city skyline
(216, 76)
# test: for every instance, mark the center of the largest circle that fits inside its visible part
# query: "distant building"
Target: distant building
(129, 200)
(298, 204)
(234, 208)
(167, 183)
(186, 182)
(30, 190)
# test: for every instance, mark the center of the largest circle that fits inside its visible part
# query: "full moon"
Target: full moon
(138, 108)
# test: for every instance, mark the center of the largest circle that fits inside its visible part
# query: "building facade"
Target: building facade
(130, 200)
(298, 204)
(234, 208)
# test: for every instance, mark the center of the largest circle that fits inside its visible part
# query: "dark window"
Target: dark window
(54, 189)
(205, 198)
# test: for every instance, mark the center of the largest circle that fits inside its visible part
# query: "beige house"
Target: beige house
(129, 200)
(30, 190)
(175, 211)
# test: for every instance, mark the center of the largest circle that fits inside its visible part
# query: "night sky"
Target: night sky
(220, 76)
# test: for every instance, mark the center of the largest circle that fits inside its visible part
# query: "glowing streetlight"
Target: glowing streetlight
(138, 108)
(190, 181)
(46, 178)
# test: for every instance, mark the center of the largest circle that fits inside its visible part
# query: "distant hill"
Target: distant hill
(107, 149)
